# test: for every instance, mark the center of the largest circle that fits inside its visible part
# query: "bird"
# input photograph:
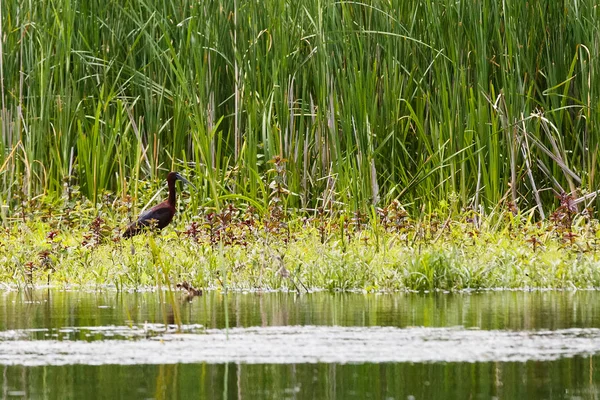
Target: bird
(161, 214)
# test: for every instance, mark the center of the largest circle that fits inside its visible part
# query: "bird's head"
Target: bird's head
(173, 176)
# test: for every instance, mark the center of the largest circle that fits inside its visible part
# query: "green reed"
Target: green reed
(475, 101)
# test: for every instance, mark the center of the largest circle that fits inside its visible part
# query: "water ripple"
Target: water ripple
(301, 344)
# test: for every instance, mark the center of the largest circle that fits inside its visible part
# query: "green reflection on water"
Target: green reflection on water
(565, 378)
(568, 378)
(492, 310)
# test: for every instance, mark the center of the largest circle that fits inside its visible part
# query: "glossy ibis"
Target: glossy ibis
(161, 214)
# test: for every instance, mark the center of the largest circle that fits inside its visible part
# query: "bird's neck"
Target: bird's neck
(172, 200)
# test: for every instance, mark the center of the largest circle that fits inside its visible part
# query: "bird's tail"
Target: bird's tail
(131, 230)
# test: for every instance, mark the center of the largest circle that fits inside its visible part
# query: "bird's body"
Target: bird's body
(161, 214)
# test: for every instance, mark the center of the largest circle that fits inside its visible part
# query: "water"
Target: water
(507, 345)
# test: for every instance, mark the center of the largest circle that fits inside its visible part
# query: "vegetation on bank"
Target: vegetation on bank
(334, 144)
(369, 102)
(74, 243)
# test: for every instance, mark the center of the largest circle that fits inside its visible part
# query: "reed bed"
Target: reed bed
(473, 104)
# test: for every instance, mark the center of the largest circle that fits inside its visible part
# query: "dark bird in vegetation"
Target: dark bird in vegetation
(161, 214)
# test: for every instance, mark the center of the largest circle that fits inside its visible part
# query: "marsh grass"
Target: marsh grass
(481, 102)
(239, 248)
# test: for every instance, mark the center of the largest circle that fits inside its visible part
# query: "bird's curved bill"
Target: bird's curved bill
(182, 179)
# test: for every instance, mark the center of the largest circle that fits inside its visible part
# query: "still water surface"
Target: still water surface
(509, 345)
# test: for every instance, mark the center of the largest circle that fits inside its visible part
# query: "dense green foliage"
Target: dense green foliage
(472, 101)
